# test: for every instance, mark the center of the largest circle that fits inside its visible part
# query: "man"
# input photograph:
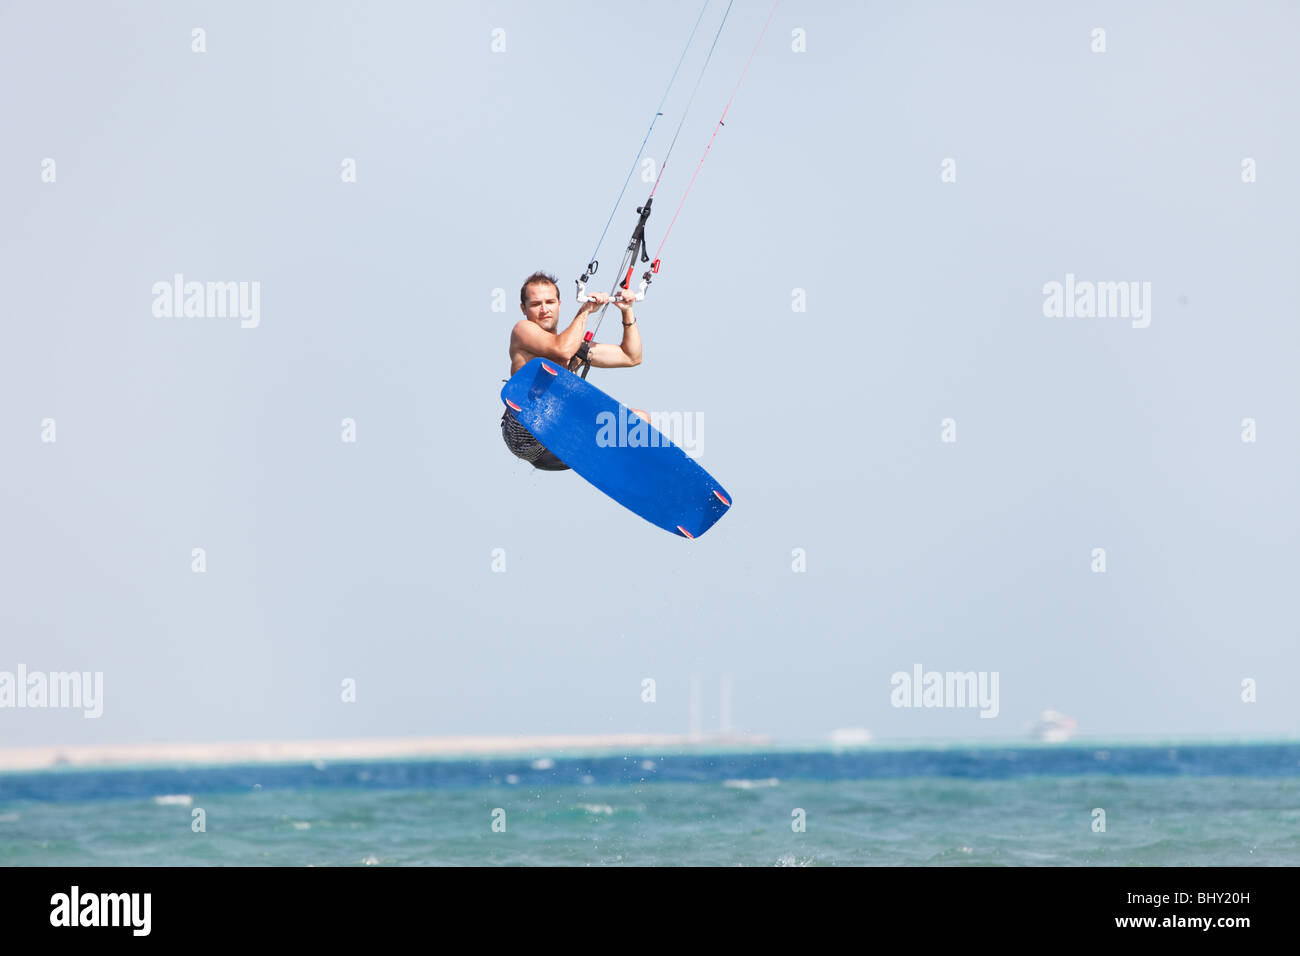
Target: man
(534, 336)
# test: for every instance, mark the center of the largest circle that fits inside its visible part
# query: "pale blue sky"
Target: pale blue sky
(372, 560)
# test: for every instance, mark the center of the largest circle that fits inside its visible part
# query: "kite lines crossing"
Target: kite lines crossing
(636, 247)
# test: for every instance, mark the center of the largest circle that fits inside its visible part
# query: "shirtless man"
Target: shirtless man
(534, 336)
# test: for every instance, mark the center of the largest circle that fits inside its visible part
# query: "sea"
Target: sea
(1161, 804)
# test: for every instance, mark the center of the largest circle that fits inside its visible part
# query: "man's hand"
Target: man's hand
(625, 305)
(594, 301)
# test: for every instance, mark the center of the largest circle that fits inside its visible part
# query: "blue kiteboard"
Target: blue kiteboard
(636, 466)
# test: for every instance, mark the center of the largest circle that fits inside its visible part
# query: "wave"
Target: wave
(174, 800)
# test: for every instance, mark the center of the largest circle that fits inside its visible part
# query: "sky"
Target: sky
(854, 303)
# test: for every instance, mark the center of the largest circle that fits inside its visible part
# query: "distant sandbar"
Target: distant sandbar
(394, 748)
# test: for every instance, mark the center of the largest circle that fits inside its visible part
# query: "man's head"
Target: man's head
(539, 300)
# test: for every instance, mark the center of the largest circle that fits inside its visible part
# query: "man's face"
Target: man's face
(542, 305)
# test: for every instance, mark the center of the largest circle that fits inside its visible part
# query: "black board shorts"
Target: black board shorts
(523, 445)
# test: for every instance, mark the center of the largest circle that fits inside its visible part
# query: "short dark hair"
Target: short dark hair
(533, 279)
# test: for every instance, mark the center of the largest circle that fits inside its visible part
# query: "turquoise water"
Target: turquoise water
(995, 807)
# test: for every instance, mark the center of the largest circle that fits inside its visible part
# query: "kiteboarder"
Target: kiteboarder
(534, 336)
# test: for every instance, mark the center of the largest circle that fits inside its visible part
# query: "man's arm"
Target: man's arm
(625, 355)
(559, 347)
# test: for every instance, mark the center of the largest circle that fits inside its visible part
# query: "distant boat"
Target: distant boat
(850, 737)
(1053, 727)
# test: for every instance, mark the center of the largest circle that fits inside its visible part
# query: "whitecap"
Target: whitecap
(174, 800)
(543, 763)
(751, 784)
